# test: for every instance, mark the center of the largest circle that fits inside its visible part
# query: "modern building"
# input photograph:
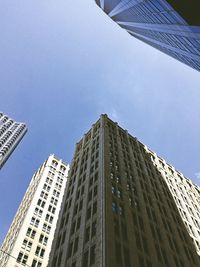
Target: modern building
(125, 207)
(171, 26)
(11, 133)
(29, 239)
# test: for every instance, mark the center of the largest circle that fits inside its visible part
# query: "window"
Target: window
(95, 191)
(121, 210)
(94, 208)
(38, 212)
(76, 245)
(35, 222)
(49, 181)
(113, 190)
(85, 259)
(22, 258)
(59, 180)
(49, 218)
(55, 193)
(62, 168)
(92, 255)
(51, 174)
(119, 194)
(127, 258)
(54, 163)
(54, 201)
(69, 253)
(58, 186)
(51, 209)
(114, 207)
(36, 263)
(87, 234)
(43, 239)
(80, 205)
(118, 180)
(46, 228)
(41, 203)
(90, 196)
(118, 253)
(88, 213)
(46, 187)
(44, 195)
(30, 233)
(94, 224)
(39, 252)
(26, 245)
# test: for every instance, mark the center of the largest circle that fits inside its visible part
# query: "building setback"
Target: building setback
(125, 207)
(29, 239)
(171, 26)
(11, 133)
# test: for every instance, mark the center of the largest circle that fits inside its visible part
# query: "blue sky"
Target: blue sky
(62, 64)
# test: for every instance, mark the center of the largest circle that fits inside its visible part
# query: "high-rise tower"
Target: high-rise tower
(125, 207)
(11, 133)
(29, 239)
(172, 26)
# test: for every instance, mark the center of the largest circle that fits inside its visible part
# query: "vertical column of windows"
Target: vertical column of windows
(119, 170)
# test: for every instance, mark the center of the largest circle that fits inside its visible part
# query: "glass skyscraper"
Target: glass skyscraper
(172, 26)
(11, 133)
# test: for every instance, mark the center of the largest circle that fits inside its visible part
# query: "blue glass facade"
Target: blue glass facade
(171, 26)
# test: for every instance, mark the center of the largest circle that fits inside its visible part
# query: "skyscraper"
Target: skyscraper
(29, 239)
(125, 207)
(172, 26)
(11, 133)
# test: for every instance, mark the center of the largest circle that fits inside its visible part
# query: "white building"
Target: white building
(11, 133)
(186, 196)
(29, 239)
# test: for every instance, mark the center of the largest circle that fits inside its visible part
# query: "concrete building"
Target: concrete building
(171, 26)
(11, 133)
(125, 207)
(29, 239)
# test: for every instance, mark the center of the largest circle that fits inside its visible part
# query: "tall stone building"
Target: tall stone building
(125, 207)
(29, 239)
(11, 133)
(171, 26)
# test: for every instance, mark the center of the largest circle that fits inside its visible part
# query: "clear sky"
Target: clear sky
(62, 64)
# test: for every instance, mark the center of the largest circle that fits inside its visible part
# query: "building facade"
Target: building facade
(125, 207)
(29, 239)
(171, 26)
(11, 133)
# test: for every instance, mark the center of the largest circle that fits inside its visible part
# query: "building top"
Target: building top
(11, 133)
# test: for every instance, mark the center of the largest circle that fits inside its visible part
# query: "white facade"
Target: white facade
(11, 133)
(186, 196)
(29, 239)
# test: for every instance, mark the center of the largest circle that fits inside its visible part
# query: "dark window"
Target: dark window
(78, 223)
(118, 254)
(94, 224)
(127, 258)
(85, 259)
(69, 250)
(76, 245)
(94, 208)
(88, 213)
(87, 234)
(92, 255)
